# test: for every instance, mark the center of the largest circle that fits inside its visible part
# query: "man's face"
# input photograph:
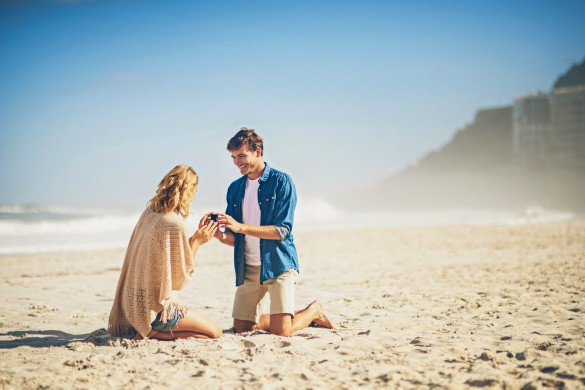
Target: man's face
(247, 161)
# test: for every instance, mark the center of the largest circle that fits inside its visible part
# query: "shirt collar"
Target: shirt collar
(264, 176)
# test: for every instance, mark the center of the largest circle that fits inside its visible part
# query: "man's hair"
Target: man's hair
(246, 137)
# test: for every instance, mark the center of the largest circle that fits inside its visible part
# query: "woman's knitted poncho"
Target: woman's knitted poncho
(158, 260)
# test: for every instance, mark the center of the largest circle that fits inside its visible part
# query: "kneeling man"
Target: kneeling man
(259, 221)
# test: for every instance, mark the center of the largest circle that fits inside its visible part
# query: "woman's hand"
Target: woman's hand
(207, 229)
(229, 223)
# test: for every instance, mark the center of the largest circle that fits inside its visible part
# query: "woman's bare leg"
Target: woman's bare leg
(194, 324)
(178, 335)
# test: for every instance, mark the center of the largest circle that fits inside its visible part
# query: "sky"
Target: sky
(100, 99)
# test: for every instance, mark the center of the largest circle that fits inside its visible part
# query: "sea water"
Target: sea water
(27, 229)
(35, 229)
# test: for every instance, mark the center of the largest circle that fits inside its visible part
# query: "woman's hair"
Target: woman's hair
(175, 191)
(246, 137)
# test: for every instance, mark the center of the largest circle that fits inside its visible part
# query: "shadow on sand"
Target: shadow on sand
(40, 338)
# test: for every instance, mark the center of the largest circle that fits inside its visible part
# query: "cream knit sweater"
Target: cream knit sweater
(158, 260)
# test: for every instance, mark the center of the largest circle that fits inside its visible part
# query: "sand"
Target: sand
(443, 307)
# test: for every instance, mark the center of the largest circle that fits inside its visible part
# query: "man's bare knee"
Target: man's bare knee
(280, 324)
(238, 328)
(241, 326)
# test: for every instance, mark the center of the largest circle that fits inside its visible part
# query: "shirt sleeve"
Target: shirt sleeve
(286, 201)
(229, 206)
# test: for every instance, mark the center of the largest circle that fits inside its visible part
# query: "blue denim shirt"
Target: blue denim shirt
(277, 199)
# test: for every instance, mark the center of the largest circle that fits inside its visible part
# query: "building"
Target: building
(567, 107)
(549, 130)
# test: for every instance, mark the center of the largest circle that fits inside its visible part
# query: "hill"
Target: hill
(574, 76)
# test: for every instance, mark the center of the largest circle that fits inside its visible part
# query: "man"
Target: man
(259, 221)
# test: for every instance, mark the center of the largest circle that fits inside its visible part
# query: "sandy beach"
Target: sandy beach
(440, 307)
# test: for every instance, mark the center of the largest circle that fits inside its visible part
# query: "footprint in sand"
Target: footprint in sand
(81, 364)
(282, 344)
(37, 310)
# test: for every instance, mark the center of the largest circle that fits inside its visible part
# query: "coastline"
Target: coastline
(450, 306)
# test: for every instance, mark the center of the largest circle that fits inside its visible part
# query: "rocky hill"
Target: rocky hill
(575, 76)
(484, 145)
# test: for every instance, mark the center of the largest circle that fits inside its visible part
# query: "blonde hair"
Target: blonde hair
(175, 191)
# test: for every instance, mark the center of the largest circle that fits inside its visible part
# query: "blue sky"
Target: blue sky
(99, 99)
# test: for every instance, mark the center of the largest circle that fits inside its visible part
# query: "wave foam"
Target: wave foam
(74, 230)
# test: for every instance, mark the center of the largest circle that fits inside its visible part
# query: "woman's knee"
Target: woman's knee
(199, 323)
(216, 333)
(212, 329)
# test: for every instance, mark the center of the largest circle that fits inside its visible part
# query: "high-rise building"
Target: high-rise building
(532, 130)
(549, 130)
(567, 106)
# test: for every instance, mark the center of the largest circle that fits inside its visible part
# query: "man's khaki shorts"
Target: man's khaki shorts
(252, 299)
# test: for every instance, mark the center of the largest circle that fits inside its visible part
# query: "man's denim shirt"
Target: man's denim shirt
(277, 199)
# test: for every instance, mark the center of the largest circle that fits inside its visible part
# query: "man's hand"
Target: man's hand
(228, 222)
(268, 232)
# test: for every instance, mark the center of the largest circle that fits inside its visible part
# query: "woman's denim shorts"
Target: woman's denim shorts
(172, 321)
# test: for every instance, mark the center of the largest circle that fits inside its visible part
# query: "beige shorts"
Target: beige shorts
(275, 296)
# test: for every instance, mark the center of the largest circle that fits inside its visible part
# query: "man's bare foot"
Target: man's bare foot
(321, 320)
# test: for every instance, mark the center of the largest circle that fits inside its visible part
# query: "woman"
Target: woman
(159, 259)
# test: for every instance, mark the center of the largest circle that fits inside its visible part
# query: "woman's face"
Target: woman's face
(193, 192)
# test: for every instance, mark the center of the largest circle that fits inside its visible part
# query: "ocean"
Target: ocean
(27, 229)
(35, 229)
